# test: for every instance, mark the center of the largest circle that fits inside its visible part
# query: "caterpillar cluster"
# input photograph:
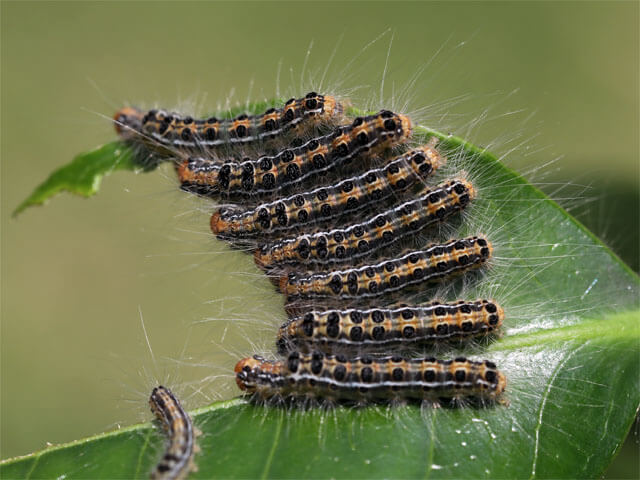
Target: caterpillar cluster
(329, 203)
(365, 238)
(270, 175)
(325, 213)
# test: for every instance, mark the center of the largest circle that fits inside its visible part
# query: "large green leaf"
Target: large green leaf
(570, 352)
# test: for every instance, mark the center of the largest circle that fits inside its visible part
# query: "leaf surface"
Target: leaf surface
(83, 175)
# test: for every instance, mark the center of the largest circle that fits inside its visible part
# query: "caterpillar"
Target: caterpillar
(177, 460)
(270, 174)
(328, 203)
(436, 263)
(163, 130)
(364, 238)
(390, 328)
(366, 379)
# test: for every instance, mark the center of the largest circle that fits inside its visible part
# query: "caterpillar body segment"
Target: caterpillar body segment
(331, 203)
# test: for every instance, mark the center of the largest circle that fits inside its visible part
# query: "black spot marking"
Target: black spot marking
(265, 164)
(339, 372)
(366, 374)
(408, 332)
(293, 362)
(316, 362)
(293, 172)
(389, 125)
(307, 325)
(333, 330)
(268, 181)
(356, 334)
(407, 314)
(287, 156)
(336, 284)
(377, 333)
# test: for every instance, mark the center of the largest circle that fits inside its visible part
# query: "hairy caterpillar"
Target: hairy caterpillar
(365, 238)
(177, 460)
(272, 174)
(390, 328)
(436, 263)
(169, 131)
(329, 203)
(366, 379)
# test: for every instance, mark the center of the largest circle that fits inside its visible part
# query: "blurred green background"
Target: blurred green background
(78, 274)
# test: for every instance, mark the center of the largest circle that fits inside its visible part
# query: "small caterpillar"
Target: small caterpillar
(329, 202)
(269, 174)
(436, 263)
(401, 326)
(177, 460)
(316, 375)
(364, 238)
(173, 132)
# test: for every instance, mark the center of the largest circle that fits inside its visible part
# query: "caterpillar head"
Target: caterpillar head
(128, 122)
(256, 373)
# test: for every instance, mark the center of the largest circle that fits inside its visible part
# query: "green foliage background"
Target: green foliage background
(74, 274)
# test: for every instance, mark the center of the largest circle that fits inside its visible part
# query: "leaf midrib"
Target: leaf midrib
(627, 325)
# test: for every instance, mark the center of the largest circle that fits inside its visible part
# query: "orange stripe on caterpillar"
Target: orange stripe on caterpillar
(380, 328)
(177, 460)
(364, 239)
(269, 174)
(330, 203)
(366, 379)
(436, 263)
(163, 130)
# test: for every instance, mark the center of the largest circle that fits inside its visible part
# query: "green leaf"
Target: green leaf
(569, 350)
(83, 175)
